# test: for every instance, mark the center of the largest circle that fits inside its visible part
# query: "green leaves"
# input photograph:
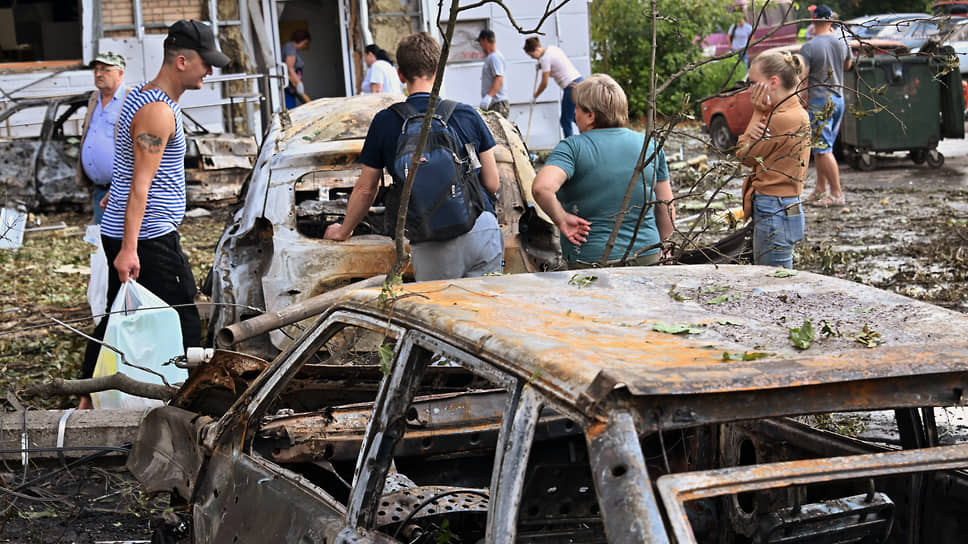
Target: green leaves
(582, 280)
(387, 293)
(621, 32)
(869, 338)
(745, 356)
(386, 358)
(783, 273)
(676, 328)
(802, 336)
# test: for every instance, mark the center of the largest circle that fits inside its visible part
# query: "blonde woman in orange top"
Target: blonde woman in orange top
(776, 144)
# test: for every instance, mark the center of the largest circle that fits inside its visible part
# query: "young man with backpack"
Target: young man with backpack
(451, 225)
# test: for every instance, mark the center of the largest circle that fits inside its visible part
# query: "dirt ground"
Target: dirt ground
(904, 229)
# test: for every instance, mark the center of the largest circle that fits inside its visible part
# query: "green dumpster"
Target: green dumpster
(901, 103)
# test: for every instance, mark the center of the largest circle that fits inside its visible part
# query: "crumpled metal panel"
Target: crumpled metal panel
(225, 151)
(167, 456)
(566, 336)
(214, 188)
(218, 382)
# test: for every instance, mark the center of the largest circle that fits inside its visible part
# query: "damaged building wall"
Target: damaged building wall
(156, 15)
(391, 20)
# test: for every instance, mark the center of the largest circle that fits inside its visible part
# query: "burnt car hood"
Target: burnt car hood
(582, 335)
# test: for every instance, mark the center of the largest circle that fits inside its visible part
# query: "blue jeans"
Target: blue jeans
(831, 126)
(98, 195)
(568, 109)
(778, 224)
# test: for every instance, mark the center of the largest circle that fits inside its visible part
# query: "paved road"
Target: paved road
(898, 172)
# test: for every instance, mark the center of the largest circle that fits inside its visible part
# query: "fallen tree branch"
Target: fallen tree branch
(119, 381)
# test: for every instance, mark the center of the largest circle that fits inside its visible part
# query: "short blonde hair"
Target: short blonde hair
(601, 95)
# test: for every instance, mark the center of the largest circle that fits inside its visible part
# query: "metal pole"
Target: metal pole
(213, 18)
(139, 28)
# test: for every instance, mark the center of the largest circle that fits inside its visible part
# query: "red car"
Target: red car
(725, 116)
(955, 9)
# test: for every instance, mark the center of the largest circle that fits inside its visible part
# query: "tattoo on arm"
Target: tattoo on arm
(149, 142)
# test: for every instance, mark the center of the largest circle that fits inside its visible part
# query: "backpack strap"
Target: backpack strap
(444, 109)
(406, 111)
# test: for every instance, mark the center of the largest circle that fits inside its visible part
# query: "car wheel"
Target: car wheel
(935, 159)
(720, 134)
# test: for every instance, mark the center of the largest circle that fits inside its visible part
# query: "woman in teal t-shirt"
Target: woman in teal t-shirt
(583, 182)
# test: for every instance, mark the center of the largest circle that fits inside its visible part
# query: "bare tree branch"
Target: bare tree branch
(119, 381)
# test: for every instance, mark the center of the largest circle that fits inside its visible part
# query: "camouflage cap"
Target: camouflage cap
(110, 58)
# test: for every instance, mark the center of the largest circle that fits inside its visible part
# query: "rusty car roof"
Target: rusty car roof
(563, 330)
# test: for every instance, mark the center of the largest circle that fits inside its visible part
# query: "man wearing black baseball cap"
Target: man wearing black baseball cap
(139, 229)
(197, 36)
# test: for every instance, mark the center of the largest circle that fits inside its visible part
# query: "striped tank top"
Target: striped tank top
(166, 196)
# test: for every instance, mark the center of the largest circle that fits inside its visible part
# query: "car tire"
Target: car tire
(719, 133)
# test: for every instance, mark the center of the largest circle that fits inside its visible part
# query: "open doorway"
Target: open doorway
(323, 72)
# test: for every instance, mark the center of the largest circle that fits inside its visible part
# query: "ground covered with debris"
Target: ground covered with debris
(904, 229)
(96, 501)
(89, 502)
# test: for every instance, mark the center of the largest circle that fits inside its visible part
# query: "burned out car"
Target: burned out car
(632, 405)
(39, 172)
(273, 254)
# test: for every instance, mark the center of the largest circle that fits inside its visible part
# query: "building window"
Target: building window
(33, 30)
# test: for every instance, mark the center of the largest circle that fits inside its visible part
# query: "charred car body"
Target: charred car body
(39, 173)
(273, 255)
(638, 405)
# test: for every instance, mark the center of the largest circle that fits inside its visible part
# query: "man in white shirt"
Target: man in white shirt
(493, 97)
(552, 60)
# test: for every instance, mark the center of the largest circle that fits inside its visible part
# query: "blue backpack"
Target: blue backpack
(447, 197)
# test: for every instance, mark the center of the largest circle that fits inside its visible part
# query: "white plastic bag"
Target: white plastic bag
(148, 338)
(97, 287)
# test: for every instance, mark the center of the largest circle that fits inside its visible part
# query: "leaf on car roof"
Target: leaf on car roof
(802, 336)
(676, 328)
